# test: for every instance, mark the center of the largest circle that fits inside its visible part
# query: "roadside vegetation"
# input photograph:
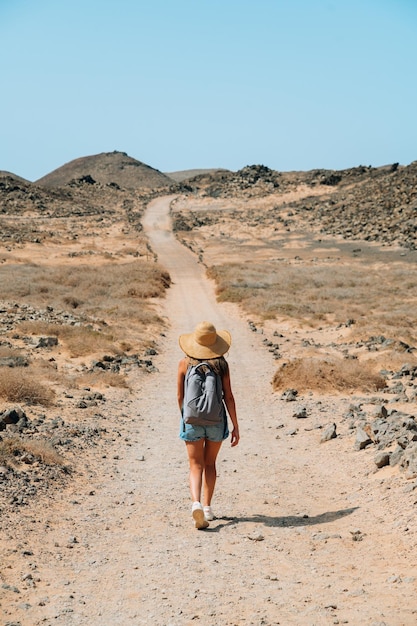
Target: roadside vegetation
(373, 300)
(375, 306)
(109, 289)
(21, 387)
(79, 293)
(104, 307)
(57, 322)
(327, 375)
(15, 451)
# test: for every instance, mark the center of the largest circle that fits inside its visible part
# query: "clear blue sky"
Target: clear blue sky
(182, 84)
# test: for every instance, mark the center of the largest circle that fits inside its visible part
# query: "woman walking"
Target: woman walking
(203, 443)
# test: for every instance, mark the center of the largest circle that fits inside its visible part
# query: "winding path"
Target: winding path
(281, 550)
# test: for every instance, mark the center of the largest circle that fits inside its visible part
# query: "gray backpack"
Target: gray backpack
(203, 393)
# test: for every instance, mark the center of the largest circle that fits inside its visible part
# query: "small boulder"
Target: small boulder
(47, 342)
(13, 417)
(409, 461)
(362, 439)
(289, 395)
(382, 458)
(329, 433)
(396, 456)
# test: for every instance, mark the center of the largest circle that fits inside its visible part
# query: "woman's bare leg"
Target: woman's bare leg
(211, 450)
(195, 450)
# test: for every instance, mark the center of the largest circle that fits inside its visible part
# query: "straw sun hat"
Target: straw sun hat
(205, 342)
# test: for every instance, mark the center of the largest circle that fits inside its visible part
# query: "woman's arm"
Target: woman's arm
(182, 370)
(231, 407)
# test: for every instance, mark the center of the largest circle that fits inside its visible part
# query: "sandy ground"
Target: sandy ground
(306, 533)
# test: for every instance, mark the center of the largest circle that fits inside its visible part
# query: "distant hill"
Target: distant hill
(365, 203)
(24, 205)
(4, 174)
(179, 177)
(108, 167)
(259, 180)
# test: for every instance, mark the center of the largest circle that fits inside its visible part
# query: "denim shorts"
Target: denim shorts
(190, 432)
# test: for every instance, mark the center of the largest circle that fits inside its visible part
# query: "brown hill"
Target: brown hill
(108, 167)
(379, 206)
(11, 176)
(30, 212)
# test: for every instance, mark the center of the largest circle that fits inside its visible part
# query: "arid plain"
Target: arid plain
(103, 263)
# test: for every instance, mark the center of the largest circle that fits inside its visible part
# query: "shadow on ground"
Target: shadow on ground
(284, 522)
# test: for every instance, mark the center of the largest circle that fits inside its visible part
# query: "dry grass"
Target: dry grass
(389, 359)
(18, 386)
(78, 340)
(112, 305)
(6, 352)
(103, 379)
(379, 300)
(11, 448)
(327, 375)
(106, 290)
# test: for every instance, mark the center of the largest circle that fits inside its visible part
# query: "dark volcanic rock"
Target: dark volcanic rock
(365, 203)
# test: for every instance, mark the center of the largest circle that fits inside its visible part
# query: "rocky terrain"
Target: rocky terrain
(365, 203)
(362, 203)
(374, 208)
(28, 211)
(79, 445)
(59, 228)
(372, 204)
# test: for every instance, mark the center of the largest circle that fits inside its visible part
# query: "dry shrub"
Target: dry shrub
(103, 379)
(102, 289)
(48, 370)
(6, 352)
(109, 296)
(18, 386)
(392, 324)
(79, 340)
(38, 327)
(327, 375)
(126, 346)
(320, 292)
(134, 311)
(84, 340)
(74, 303)
(13, 447)
(391, 360)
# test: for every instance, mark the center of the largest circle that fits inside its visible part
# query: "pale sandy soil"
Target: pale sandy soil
(120, 547)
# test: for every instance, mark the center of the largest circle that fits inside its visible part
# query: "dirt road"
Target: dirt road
(306, 533)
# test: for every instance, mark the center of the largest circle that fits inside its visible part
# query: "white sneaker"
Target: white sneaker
(208, 513)
(198, 516)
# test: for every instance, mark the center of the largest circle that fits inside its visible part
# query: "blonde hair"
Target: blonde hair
(219, 364)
